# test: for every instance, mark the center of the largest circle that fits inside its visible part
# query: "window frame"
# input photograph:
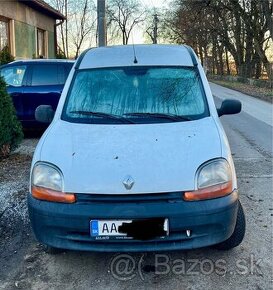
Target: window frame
(38, 31)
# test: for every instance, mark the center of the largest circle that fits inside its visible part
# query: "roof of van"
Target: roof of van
(146, 55)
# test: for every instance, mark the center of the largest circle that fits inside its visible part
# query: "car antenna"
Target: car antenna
(135, 58)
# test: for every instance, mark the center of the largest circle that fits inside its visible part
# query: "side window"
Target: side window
(68, 68)
(43, 75)
(61, 74)
(14, 75)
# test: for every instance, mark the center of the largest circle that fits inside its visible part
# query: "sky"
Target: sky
(154, 3)
(137, 33)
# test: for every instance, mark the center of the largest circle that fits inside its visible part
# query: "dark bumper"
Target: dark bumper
(67, 225)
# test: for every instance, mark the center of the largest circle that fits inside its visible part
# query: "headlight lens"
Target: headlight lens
(214, 179)
(215, 172)
(47, 184)
(47, 176)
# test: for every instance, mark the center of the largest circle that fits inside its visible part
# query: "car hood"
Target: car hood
(158, 157)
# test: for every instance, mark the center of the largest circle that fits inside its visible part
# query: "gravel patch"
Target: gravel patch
(27, 147)
(14, 183)
(14, 186)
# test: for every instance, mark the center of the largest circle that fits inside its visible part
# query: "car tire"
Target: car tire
(238, 234)
(52, 250)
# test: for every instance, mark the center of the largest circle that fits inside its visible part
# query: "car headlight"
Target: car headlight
(47, 183)
(47, 176)
(213, 179)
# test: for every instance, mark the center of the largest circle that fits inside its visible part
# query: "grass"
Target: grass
(261, 93)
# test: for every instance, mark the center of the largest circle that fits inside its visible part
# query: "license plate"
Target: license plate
(124, 229)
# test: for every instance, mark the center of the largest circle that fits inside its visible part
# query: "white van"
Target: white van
(135, 157)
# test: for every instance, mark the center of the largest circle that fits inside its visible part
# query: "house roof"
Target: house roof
(43, 7)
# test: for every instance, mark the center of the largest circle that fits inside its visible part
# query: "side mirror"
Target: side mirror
(44, 114)
(229, 107)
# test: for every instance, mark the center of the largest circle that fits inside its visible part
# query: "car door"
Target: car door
(44, 87)
(15, 76)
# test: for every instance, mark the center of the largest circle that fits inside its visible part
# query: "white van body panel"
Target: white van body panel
(119, 56)
(161, 157)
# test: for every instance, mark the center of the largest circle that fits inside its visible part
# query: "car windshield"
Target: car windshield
(141, 94)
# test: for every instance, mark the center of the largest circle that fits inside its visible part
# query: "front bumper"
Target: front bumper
(67, 225)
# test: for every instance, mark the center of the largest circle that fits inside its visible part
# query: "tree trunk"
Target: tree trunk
(248, 55)
(227, 61)
(258, 69)
(201, 53)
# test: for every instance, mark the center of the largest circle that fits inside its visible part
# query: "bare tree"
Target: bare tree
(62, 6)
(257, 23)
(267, 9)
(220, 30)
(153, 25)
(84, 23)
(125, 15)
(79, 26)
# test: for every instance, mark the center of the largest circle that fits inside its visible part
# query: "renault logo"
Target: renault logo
(128, 182)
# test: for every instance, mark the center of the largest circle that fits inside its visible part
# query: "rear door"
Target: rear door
(44, 87)
(16, 76)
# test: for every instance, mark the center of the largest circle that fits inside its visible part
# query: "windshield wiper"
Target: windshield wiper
(172, 117)
(104, 115)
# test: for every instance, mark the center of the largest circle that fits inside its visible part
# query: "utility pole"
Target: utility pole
(156, 20)
(101, 22)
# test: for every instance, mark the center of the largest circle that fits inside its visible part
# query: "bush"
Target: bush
(61, 55)
(11, 132)
(5, 56)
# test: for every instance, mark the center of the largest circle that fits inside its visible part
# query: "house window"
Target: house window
(40, 43)
(4, 33)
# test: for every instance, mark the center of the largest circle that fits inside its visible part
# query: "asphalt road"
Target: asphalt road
(248, 266)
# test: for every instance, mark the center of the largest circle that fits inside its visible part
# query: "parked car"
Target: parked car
(35, 82)
(135, 158)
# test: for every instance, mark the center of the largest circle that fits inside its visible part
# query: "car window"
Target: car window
(68, 68)
(61, 74)
(45, 75)
(124, 91)
(14, 75)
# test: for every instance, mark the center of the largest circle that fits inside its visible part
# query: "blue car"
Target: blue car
(35, 82)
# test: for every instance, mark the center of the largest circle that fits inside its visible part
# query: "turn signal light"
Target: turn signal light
(46, 194)
(210, 192)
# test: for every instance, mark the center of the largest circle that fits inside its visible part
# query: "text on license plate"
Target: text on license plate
(110, 228)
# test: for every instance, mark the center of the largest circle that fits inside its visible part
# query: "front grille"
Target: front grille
(121, 198)
(85, 237)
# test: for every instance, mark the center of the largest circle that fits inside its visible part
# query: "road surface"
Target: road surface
(24, 265)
